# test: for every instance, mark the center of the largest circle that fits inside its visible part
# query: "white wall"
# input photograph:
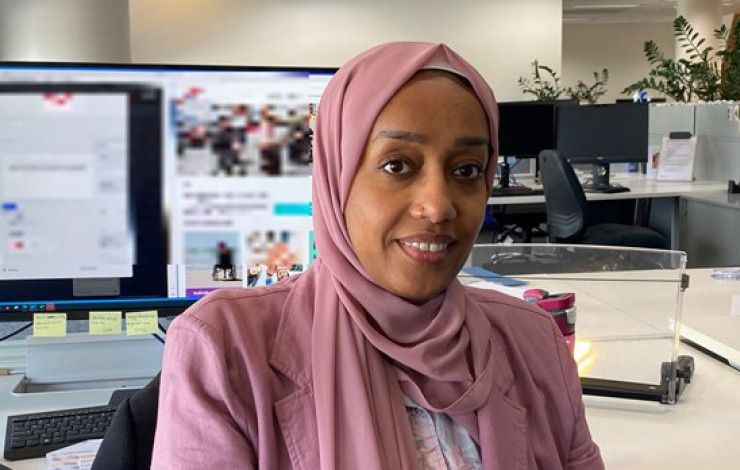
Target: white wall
(64, 30)
(499, 37)
(618, 47)
(704, 16)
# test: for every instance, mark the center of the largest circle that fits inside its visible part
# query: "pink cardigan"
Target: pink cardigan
(236, 387)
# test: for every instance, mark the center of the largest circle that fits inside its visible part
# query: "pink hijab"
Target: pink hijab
(371, 347)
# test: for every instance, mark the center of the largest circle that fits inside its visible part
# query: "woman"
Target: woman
(331, 369)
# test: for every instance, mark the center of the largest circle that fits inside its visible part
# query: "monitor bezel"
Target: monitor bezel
(604, 159)
(169, 306)
(140, 206)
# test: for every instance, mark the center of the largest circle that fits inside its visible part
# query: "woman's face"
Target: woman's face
(419, 195)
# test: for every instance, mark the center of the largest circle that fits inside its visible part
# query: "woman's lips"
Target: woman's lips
(426, 248)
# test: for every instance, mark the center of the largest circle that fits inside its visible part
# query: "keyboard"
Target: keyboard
(33, 435)
(515, 191)
(611, 189)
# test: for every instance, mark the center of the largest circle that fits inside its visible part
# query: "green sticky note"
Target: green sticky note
(49, 324)
(105, 323)
(142, 323)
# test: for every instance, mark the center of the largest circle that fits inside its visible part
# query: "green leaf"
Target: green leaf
(542, 87)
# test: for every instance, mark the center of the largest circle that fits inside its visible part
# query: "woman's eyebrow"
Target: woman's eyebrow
(402, 135)
(468, 141)
(471, 141)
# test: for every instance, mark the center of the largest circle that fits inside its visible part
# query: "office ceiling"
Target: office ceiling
(626, 11)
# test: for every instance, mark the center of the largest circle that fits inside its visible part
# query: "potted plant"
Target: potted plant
(545, 83)
(590, 94)
(699, 76)
(730, 85)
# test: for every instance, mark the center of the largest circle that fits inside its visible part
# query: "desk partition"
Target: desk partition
(623, 347)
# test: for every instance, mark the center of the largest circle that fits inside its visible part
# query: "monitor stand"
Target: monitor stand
(600, 180)
(80, 362)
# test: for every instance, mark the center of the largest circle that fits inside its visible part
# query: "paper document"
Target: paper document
(79, 456)
(677, 159)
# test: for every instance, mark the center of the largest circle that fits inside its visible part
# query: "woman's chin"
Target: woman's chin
(418, 293)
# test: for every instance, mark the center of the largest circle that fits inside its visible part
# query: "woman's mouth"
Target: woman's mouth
(428, 249)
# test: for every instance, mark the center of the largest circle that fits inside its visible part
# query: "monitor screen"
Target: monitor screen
(526, 128)
(612, 133)
(129, 187)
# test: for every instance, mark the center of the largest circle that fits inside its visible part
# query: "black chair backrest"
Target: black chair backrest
(129, 440)
(565, 201)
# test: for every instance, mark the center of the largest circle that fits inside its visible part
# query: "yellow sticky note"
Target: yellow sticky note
(49, 324)
(142, 323)
(105, 323)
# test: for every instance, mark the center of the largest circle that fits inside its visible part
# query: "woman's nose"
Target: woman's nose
(433, 199)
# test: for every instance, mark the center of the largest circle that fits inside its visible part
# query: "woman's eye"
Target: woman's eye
(396, 167)
(469, 171)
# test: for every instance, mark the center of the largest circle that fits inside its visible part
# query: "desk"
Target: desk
(718, 246)
(11, 404)
(699, 432)
(640, 188)
(712, 314)
(672, 204)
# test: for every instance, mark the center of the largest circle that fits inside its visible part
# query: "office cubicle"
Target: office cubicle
(703, 225)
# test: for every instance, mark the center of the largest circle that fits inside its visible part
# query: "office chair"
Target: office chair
(129, 440)
(567, 211)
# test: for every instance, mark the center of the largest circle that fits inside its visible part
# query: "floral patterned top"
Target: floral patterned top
(441, 443)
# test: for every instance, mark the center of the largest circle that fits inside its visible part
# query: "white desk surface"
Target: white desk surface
(699, 432)
(712, 309)
(640, 188)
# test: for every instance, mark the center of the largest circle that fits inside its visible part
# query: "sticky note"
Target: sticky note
(105, 323)
(142, 323)
(49, 324)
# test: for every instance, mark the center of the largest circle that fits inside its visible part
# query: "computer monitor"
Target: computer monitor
(603, 134)
(200, 177)
(526, 128)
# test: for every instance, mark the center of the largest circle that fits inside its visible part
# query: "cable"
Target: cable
(161, 328)
(516, 162)
(156, 336)
(23, 328)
